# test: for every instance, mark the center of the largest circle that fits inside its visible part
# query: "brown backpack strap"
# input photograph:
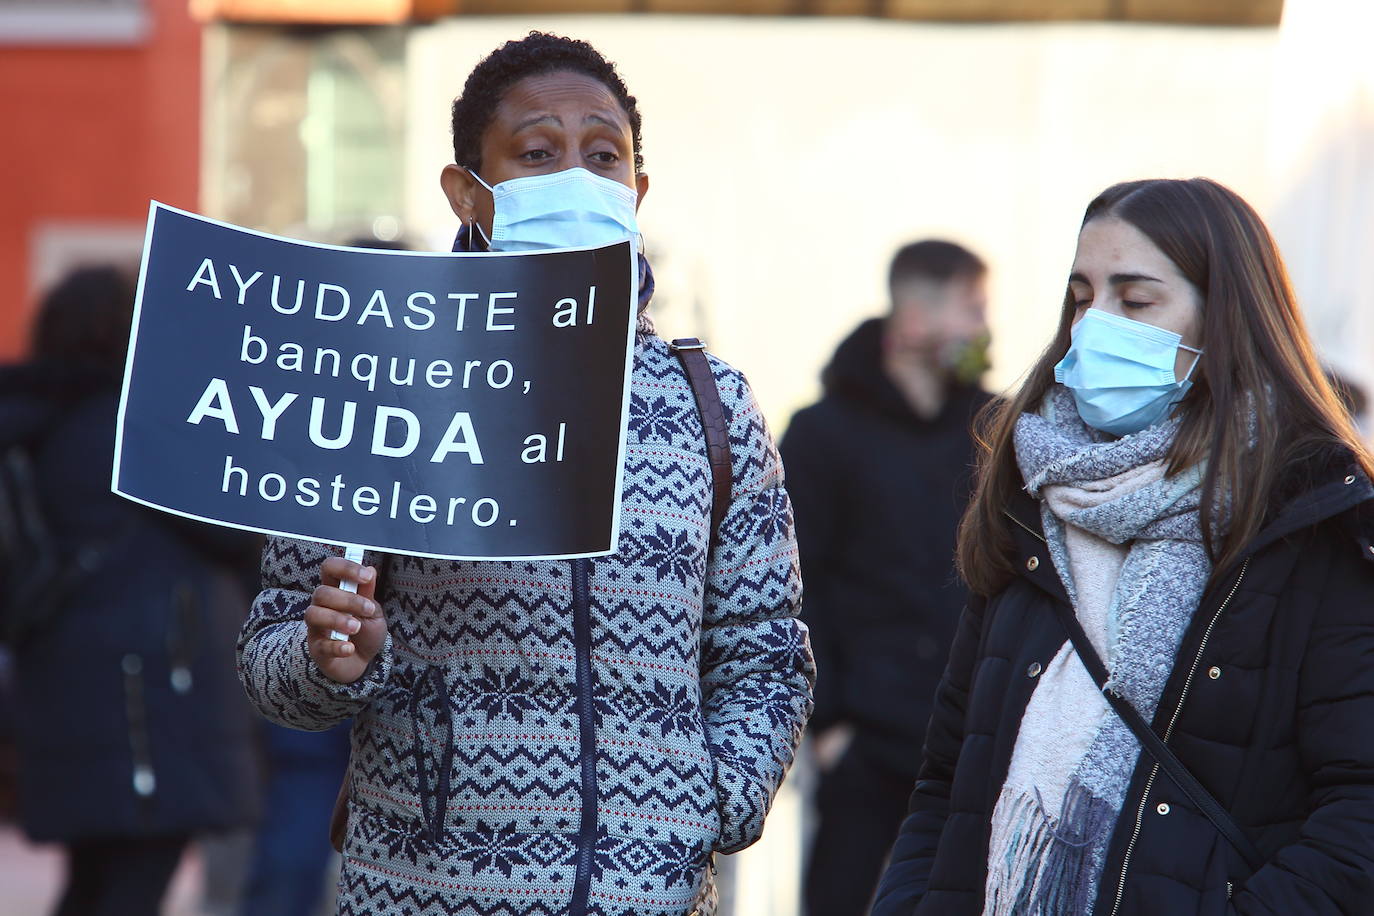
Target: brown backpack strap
(691, 352)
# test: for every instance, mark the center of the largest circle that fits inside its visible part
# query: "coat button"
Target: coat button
(1034, 670)
(1033, 564)
(1163, 808)
(1349, 480)
(1214, 672)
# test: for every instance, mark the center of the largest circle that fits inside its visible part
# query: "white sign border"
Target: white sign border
(154, 207)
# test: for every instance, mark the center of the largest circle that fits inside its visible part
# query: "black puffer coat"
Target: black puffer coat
(878, 492)
(129, 718)
(1270, 704)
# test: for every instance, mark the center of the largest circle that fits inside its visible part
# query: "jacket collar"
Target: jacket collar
(1341, 486)
(855, 373)
(1032, 550)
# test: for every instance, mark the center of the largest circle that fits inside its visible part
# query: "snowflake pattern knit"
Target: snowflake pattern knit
(540, 738)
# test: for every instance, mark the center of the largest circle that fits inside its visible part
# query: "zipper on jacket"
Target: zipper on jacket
(1154, 771)
(582, 647)
(1027, 528)
(182, 636)
(144, 778)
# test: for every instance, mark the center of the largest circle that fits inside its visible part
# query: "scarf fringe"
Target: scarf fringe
(1046, 867)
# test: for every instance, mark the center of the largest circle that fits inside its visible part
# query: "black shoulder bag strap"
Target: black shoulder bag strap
(692, 354)
(1168, 762)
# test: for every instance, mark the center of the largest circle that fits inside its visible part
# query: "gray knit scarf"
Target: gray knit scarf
(1127, 543)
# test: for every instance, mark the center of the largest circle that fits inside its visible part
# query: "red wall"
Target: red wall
(91, 133)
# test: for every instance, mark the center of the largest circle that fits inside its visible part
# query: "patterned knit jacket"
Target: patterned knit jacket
(540, 738)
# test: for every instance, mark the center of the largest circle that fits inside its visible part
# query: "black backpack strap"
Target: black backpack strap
(1155, 746)
(691, 352)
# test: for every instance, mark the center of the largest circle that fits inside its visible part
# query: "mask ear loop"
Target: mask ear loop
(1196, 359)
(473, 224)
(486, 238)
(479, 179)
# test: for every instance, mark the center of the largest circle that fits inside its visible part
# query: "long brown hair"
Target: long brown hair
(1260, 407)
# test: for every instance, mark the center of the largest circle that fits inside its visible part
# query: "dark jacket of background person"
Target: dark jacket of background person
(878, 493)
(1268, 705)
(95, 692)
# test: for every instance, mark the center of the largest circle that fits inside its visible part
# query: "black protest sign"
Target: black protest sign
(448, 405)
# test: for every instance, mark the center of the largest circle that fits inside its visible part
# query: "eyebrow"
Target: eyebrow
(538, 119)
(554, 119)
(1115, 279)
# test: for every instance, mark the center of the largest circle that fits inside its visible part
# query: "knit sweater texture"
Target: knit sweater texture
(568, 737)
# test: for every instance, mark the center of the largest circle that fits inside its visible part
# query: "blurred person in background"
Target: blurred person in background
(288, 871)
(132, 732)
(9, 802)
(1160, 698)
(879, 471)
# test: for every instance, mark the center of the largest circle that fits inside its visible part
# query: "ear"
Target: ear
(641, 188)
(461, 190)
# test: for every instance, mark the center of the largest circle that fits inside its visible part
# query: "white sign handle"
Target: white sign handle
(353, 553)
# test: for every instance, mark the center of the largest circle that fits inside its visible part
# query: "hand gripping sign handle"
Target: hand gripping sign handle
(354, 554)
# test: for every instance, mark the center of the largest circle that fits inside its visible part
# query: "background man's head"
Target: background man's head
(938, 296)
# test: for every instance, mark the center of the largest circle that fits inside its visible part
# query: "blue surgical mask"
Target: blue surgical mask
(568, 209)
(1121, 372)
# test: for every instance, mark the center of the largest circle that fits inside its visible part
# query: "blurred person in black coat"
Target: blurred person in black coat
(132, 731)
(879, 472)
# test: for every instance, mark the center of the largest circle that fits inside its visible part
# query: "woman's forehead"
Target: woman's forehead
(557, 97)
(1112, 244)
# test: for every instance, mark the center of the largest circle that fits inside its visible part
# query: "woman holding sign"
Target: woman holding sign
(1161, 699)
(557, 736)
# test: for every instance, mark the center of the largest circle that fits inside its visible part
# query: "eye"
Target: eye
(1135, 305)
(536, 155)
(604, 157)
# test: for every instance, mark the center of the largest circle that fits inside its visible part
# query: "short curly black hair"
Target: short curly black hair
(536, 53)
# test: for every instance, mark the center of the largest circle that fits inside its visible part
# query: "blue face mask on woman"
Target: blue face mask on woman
(1121, 372)
(568, 209)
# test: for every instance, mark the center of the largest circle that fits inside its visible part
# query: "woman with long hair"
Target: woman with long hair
(1160, 698)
